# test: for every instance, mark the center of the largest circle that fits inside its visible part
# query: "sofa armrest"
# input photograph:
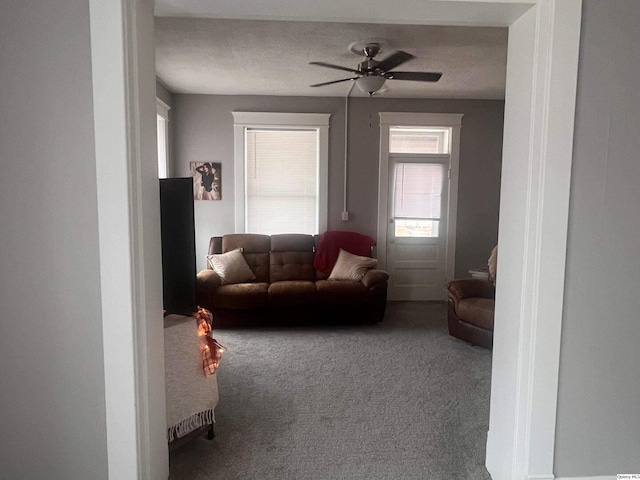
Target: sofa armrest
(207, 280)
(470, 288)
(374, 278)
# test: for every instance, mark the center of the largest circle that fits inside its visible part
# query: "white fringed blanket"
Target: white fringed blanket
(191, 394)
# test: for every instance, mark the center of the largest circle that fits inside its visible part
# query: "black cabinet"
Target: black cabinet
(178, 245)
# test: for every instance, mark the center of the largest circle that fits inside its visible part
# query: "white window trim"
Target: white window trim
(162, 110)
(403, 119)
(301, 121)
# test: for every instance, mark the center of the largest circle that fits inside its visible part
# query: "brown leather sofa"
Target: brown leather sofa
(287, 288)
(471, 309)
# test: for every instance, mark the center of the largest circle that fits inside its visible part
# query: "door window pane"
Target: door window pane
(416, 228)
(417, 199)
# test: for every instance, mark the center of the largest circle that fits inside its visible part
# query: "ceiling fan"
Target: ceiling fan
(371, 74)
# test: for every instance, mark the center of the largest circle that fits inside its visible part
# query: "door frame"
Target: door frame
(404, 119)
(549, 40)
(128, 195)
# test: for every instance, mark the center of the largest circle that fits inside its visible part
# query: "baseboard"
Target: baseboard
(551, 477)
(488, 456)
(604, 477)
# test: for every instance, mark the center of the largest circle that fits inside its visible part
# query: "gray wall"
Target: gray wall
(52, 380)
(163, 93)
(203, 131)
(598, 421)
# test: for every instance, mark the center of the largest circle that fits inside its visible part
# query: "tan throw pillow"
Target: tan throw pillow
(351, 267)
(231, 267)
(493, 263)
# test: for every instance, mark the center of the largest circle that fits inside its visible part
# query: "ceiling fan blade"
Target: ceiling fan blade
(394, 60)
(335, 81)
(337, 67)
(415, 76)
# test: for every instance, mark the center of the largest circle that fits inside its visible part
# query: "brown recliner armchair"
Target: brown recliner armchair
(471, 308)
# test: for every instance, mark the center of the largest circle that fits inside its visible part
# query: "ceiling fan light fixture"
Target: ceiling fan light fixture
(370, 84)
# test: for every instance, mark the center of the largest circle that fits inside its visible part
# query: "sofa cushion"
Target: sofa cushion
(477, 311)
(259, 265)
(292, 257)
(292, 293)
(249, 242)
(241, 296)
(292, 242)
(470, 287)
(351, 267)
(291, 266)
(342, 293)
(255, 248)
(231, 267)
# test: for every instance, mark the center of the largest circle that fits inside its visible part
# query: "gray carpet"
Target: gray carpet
(399, 400)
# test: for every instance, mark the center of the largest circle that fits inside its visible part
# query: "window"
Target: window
(418, 183)
(281, 181)
(162, 119)
(281, 172)
(418, 140)
(417, 199)
(414, 129)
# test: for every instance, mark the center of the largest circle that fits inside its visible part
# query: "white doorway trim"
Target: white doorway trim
(534, 210)
(449, 120)
(124, 103)
(549, 33)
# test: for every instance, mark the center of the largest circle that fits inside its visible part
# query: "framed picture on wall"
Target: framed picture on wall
(207, 180)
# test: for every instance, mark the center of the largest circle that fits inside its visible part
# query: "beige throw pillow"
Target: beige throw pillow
(493, 263)
(351, 267)
(231, 267)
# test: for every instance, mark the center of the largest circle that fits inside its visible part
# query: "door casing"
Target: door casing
(546, 52)
(447, 120)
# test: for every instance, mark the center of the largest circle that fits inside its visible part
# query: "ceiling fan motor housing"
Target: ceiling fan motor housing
(368, 66)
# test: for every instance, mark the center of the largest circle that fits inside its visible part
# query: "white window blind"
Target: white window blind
(281, 168)
(417, 199)
(418, 140)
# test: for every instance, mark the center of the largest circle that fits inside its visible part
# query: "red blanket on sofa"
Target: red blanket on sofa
(330, 243)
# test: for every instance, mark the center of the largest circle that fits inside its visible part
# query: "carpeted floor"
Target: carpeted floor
(398, 400)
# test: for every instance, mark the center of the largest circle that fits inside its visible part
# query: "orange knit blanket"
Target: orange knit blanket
(212, 351)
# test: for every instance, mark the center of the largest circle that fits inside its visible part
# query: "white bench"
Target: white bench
(191, 394)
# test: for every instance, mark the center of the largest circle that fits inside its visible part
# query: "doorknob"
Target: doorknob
(391, 220)
(392, 241)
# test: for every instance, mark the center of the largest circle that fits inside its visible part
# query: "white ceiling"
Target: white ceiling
(270, 57)
(498, 13)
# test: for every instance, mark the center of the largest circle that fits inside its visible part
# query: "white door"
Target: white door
(417, 234)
